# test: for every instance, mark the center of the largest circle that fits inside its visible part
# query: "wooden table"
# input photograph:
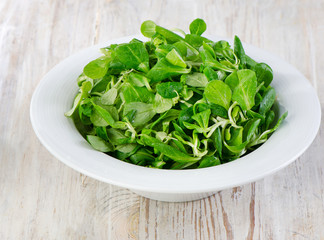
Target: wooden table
(41, 198)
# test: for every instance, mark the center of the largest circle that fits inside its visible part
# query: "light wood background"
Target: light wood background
(41, 198)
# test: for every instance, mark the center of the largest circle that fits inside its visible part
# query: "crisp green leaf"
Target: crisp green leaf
(264, 136)
(252, 114)
(99, 144)
(85, 88)
(133, 55)
(109, 97)
(142, 157)
(223, 51)
(187, 50)
(185, 116)
(173, 153)
(264, 73)
(195, 80)
(130, 93)
(116, 136)
(202, 118)
(97, 120)
(97, 68)
(85, 111)
(105, 114)
(267, 101)
(239, 50)
(76, 103)
(269, 119)
(237, 150)
(168, 35)
(138, 79)
(208, 57)
(164, 69)
(219, 93)
(218, 110)
(250, 128)
(162, 104)
(283, 117)
(162, 50)
(148, 28)
(169, 89)
(218, 142)
(236, 136)
(250, 63)
(197, 26)
(244, 85)
(144, 112)
(102, 133)
(196, 41)
(210, 74)
(195, 127)
(101, 84)
(179, 131)
(209, 161)
(127, 147)
(167, 116)
(175, 59)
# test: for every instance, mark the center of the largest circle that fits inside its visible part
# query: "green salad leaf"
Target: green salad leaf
(198, 26)
(176, 102)
(219, 93)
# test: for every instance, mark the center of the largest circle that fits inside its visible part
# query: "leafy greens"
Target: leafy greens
(175, 102)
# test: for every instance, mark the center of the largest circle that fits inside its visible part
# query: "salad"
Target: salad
(176, 101)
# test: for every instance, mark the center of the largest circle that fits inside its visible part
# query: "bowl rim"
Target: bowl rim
(216, 178)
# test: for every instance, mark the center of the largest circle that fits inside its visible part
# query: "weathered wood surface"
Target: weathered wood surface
(41, 198)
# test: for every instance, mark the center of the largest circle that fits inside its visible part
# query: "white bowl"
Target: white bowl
(55, 93)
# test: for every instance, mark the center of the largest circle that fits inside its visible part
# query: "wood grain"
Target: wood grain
(43, 199)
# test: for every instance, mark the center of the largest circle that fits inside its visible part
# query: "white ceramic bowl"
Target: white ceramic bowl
(55, 93)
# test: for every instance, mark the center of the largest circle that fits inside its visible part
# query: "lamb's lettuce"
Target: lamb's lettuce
(175, 102)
